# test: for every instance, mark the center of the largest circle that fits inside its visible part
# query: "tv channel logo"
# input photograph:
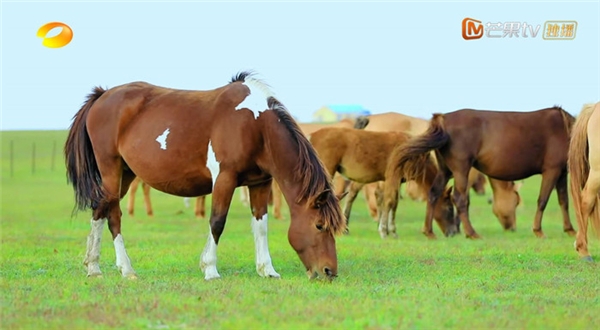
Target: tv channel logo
(62, 39)
(471, 29)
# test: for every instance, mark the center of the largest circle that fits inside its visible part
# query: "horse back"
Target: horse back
(163, 134)
(509, 145)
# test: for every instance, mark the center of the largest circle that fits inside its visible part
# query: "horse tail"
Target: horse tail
(411, 159)
(579, 168)
(361, 122)
(82, 169)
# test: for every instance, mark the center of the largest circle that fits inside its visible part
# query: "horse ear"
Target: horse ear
(322, 198)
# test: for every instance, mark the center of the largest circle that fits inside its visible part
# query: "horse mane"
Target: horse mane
(309, 170)
(568, 119)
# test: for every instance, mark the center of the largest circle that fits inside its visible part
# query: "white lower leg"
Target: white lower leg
(123, 262)
(208, 259)
(92, 253)
(391, 224)
(383, 230)
(264, 267)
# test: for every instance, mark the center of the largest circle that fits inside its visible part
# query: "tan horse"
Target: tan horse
(199, 209)
(505, 195)
(584, 167)
(191, 143)
(365, 157)
(339, 182)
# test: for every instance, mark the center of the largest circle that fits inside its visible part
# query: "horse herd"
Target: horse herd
(193, 143)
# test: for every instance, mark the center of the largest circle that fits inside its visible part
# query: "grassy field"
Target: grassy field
(505, 280)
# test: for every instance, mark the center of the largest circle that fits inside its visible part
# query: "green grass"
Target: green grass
(505, 280)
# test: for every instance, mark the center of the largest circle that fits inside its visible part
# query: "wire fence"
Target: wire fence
(41, 156)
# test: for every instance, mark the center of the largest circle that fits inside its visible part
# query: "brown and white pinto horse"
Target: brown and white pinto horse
(503, 145)
(365, 157)
(199, 209)
(584, 167)
(192, 143)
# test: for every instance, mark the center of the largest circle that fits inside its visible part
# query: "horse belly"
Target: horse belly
(185, 187)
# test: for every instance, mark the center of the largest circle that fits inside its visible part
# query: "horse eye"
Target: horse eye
(320, 227)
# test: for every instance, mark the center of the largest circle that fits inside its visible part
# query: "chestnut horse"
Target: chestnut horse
(199, 210)
(365, 157)
(584, 166)
(503, 145)
(192, 143)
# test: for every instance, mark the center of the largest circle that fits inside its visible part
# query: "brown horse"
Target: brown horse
(584, 166)
(503, 145)
(192, 143)
(199, 211)
(365, 157)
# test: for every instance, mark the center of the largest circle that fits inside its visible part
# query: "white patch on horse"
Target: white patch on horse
(264, 267)
(256, 101)
(162, 139)
(208, 259)
(212, 163)
(123, 262)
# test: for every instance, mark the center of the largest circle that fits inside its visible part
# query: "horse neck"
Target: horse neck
(282, 154)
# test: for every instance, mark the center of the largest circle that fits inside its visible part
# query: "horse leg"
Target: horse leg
(588, 201)
(276, 193)
(244, 195)
(563, 201)
(259, 198)
(461, 200)
(146, 190)
(92, 253)
(223, 190)
(435, 193)
(115, 185)
(353, 191)
(390, 199)
(369, 192)
(200, 210)
(391, 214)
(132, 190)
(549, 180)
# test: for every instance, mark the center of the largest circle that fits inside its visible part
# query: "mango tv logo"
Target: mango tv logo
(471, 29)
(62, 39)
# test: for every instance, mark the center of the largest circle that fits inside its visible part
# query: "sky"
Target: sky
(407, 57)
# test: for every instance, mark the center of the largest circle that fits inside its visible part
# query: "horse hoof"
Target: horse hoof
(587, 259)
(571, 232)
(539, 233)
(430, 236)
(474, 236)
(95, 275)
(131, 277)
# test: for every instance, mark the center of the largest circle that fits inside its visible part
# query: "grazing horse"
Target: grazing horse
(199, 211)
(365, 157)
(584, 166)
(503, 145)
(504, 198)
(192, 143)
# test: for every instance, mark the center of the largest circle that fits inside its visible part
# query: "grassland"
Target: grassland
(505, 280)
